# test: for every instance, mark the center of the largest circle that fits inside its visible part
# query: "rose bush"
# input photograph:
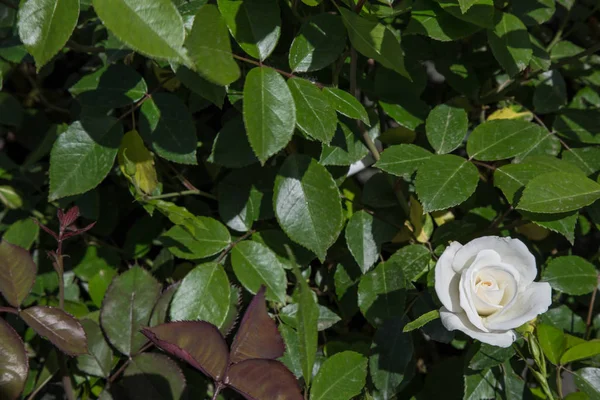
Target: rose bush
(487, 288)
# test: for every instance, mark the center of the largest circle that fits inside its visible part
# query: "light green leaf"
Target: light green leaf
(269, 112)
(255, 24)
(307, 204)
(559, 192)
(374, 40)
(446, 128)
(203, 295)
(402, 159)
(319, 42)
(581, 351)
(22, 233)
(444, 181)
(588, 381)
(314, 114)
(45, 26)
(503, 138)
(550, 93)
(346, 104)
(409, 113)
(206, 238)
(571, 274)
(421, 321)
(429, 19)
(254, 265)
(327, 318)
(166, 123)
(209, 47)
(586, 158)
(365, 235)
(510, 43)
(381, 293)
(151, 27)
(127, 307)
(341, 377)
(83, 155)
(552, 341)
(291, 357)
(347, 146)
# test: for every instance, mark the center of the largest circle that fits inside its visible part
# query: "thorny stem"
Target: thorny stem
(9, 310)
(218, 388)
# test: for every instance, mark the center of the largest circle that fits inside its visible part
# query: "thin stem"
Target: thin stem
(66, 377)
(118, 372)
(218, 388)
(84, 49)
(559, 382)
(560, 30)
(182, 193)
(9, 310)
(490, 167)
(282, 72)
(359, 6)
(9, 4)
(233, 244)
(588, 321)
(61, 280)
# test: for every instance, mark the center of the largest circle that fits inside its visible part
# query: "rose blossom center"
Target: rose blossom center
(494, 288)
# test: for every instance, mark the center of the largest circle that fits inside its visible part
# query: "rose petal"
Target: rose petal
(460, 322)
(528, 304)
(467, 293)
(511, 251)
(447, 280)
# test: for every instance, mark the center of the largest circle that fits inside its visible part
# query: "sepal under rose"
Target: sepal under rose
(487, 290)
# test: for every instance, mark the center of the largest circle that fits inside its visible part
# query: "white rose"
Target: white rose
(487, 288)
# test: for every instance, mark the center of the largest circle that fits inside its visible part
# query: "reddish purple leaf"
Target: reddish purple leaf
(45, 228)
(258, 336)
(17, 273)
(263, 380)
(59, 327)
(14, 365)
(66, 219)
(198, 343)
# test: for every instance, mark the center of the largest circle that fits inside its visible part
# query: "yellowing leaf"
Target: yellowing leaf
(533, 231)
(132, 150)
(420, 226)
(166, 78)
(442, 216)
(509, 113)
(398, 135)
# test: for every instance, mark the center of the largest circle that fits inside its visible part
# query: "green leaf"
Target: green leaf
(98, 285)
(209, 47)
(374, 40)
(157, 377)
(223, 153)
(60, 328)
(588, 381)
(166, 123)
(410, 112)
(320, 41)
(571, 274)
(209, 237)
(558, 192)
(270, 113)
(346, 104)
(444, 181)
(550, 93)
(552, 341)
(11, 111)
(488, 356)
(478, 12)
(314, 114)
(307, 318)
(255, 24)
(421, 321)
(203, 295)
(503, 138)
(365, 235)
(414, 259)
(161, 308)
(307, 204)
(15, 365)
(151, 27)
(197, 84)
(563, 318)
(17, 273)
(402, 159)
(429, 19)
(83, 155)
(127, 307)
(579, 125)
(534, 12)
(116, 85)
(563, 223)
(581, 351)
(45, 26)
(586, 158)
(98, 362)
(347, 146)
(381, 293)
(446, 128)
(480, 385)
(510, 43)
(391, 353)
(22, 233)
(341, 377)
(540, 59)
(291, 358)
(255, 265)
